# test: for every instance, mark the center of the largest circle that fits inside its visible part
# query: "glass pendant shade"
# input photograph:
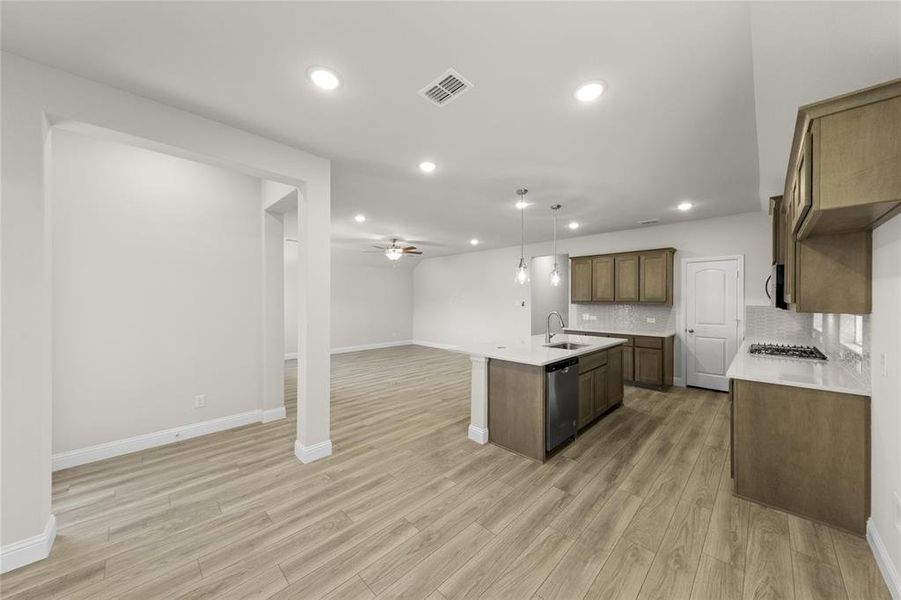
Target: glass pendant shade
(522, 273)
(555, 277)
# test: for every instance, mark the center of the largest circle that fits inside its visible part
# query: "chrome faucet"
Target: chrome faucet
(547, 334)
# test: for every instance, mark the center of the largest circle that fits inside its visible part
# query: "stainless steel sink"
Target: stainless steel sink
(566, 346)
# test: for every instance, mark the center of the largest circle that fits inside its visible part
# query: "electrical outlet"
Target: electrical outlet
(585, 316)
(200, 401)
(650, 319)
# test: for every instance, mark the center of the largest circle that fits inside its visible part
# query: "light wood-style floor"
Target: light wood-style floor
(638, 507)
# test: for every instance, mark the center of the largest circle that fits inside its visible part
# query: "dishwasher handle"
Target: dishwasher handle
(559, 366)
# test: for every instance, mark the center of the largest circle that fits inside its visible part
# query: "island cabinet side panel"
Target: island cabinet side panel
(802, 450)
(516, 407)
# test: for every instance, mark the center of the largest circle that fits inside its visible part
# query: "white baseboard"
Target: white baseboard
(24, 552)
(308, 454)
(272, 414)
(291, 356)
(478, 434)
(81, 456)
(375, 346)
(884, 561)
(433, 345)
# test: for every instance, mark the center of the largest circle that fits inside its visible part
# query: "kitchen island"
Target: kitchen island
(510, 395)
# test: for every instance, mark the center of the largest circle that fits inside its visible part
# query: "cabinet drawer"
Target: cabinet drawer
(644, 341)
(592, 361)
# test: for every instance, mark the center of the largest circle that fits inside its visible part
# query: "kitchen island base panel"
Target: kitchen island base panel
(516, 407)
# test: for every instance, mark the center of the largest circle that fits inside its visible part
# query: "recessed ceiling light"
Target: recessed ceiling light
(324, 78)
(474, 242)
(573, 225)
(427, 166)
(360, 218)
(683, 206)
(589, 91)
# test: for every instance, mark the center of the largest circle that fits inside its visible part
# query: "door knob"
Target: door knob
(691, 331)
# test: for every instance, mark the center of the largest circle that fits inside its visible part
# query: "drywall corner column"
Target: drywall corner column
(313, 321)
(273, 400)
(25, 431)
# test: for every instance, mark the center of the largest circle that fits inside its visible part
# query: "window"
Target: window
(851, 332)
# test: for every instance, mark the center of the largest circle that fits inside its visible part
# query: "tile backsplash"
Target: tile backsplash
(843, 338)
(623, 317)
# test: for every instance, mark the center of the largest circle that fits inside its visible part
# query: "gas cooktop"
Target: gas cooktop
(810, 352)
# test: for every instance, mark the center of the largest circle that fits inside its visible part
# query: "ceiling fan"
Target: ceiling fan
(396, 249)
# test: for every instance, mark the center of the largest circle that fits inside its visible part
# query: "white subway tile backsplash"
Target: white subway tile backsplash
(623, 317)
(842, 338)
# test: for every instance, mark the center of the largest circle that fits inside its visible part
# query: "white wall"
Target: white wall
(290, 249)
(156, 294)
(370, 304)
(34, 98)
(471, 297)
(886, 400)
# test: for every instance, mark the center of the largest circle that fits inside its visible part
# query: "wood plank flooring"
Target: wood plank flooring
(640, 506)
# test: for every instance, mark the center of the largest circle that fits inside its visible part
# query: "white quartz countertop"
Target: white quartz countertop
(636, 331)
(532, 350)
(826, 375)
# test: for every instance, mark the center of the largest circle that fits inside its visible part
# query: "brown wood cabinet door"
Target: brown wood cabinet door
(615, 375)
(580, 280)
(626, 274)
(649, 366)
(603, 279)
(801, 188)
(586, 397)
(776, 224)
(789, 249)
(857, 153)
(653, 277)
(599, 394)
(628, 373)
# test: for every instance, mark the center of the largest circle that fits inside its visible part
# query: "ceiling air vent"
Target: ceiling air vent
(649, 222)
(444, 89)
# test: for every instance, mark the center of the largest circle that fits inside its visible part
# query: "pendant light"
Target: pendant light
(555, 274)
(521, 275)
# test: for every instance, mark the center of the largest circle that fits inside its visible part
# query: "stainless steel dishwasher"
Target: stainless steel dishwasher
(562, 409)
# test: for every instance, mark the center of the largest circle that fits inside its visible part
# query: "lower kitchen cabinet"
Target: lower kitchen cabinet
(802, 450)
(649, 366)
(600, 384)
(586, 398)
(646, 360)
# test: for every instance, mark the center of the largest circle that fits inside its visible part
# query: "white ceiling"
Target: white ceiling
(679, 120)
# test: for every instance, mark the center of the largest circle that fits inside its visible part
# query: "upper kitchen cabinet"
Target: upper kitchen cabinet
(580, 278)
(627, 278)
(656, 276)
(645, 276)
(843, 180)
(603, 274)
(844, 172)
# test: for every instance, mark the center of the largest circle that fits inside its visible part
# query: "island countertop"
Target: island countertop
(533, 351)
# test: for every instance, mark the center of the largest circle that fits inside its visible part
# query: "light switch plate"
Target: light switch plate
(650, 319)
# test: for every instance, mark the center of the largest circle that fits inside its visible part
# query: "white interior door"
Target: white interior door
(711, 321)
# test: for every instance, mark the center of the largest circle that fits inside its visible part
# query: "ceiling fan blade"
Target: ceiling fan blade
(412, 252)
(409, 248)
